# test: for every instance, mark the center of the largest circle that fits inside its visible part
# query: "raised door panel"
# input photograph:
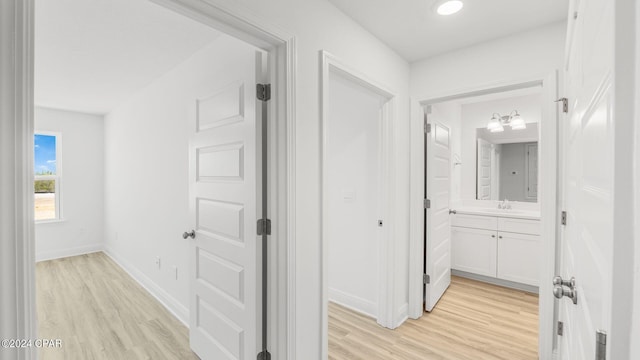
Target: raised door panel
(474, 251)
(519, 258)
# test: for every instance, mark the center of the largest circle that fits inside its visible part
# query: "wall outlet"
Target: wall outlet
(158, 261)
(175, 272)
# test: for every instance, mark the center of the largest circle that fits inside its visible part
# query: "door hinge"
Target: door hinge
(601, 345)
(560, 328)
(263, 92)
(427, 128)
(565, 104)
(426, 279)
(563, 218)
(264, 355)
(427, 204)
(264, 227)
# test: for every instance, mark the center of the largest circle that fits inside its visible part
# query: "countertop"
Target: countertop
(511, 213)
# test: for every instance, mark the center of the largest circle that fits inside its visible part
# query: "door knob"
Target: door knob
(571, 283)
(560, 292)
(191, 234)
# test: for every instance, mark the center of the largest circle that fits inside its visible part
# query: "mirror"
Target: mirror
(507, 164)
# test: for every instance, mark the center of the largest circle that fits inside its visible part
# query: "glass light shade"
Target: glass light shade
(517, 123)
(494, 123)
(500, 128)
(450, 7)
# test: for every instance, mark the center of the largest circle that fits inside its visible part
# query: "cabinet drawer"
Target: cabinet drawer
(519, 258)
(474, 250)
(520, 226)
(475, 221)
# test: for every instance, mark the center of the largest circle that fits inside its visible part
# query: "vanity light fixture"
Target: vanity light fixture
(448, 7)
(498, 122)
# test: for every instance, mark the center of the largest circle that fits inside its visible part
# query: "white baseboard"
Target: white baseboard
(63, 253)
(354, 303)
(495, 281)
(178, 310)
(402, 315)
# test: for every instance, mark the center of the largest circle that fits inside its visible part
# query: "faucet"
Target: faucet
(504, 205)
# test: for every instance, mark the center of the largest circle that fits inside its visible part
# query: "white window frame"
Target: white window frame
(57, 177)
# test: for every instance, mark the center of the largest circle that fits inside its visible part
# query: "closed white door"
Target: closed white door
(587, 237)
(484, 170)
(438, 225)
(225, 180)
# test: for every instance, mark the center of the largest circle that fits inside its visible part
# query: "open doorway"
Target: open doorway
(160, 125)
(358, 119)
(489, 228)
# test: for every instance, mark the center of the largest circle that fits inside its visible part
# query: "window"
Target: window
(47, 176)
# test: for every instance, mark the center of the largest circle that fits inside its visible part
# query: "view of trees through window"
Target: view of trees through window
(46, 177)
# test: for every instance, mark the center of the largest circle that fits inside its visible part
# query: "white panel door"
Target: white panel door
(586, 243)
(438, 225)
(484, 170)
(225, 204)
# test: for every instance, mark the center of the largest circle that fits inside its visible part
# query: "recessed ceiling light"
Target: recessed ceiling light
(449, 7)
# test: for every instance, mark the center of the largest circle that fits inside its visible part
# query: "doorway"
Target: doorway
(280, 49)
(481, 259)
(357, 187)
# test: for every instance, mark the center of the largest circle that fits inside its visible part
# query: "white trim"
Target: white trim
(17, 230)
(17, 118)
(355, 303)
(403, 314)
(386, 277)
(73, 251)
(548, 187)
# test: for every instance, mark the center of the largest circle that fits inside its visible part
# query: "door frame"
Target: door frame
(17, 158)
(548, 188)
(386, 275)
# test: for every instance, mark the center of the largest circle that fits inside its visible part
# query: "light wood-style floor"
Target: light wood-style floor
(100, 312)
(473, 321)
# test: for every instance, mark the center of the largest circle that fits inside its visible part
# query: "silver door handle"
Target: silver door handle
(560, 292)
(191, 234)
(559, 281)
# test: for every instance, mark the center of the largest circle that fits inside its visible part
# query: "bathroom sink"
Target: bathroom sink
(503, 211)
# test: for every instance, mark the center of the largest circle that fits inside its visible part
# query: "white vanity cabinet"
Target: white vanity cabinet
(505, 248)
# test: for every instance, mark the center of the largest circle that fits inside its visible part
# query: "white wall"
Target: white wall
(353, 194)
(476, 115)
(147, 171)
(520, 56)
(81, 230)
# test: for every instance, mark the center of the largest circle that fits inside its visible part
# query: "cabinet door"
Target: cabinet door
(519, 258)
(474, 250)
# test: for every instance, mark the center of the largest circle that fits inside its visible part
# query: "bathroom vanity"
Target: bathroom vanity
(499, 246)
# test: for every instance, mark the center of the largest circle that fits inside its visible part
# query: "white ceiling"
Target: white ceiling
(90, 55)
(414, 30)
